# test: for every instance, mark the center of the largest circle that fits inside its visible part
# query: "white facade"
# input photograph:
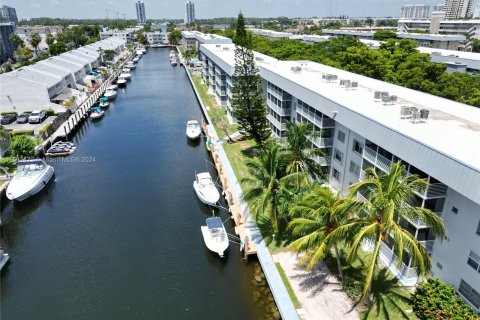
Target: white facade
(193, 39)
(189, 12)
(140, 8)
(125, 35)
(458, 9)
(415, 11)
(358, 133)
(156, 37)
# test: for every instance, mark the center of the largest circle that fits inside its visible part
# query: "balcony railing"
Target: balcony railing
(391, 259)
(428, 244)
(280, 125)
(323, 142)
(377, 159)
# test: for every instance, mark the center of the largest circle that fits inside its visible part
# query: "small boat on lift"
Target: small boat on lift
(125, 75)
(60, 149)
(31, 177)
(131, 65)
(121, 81)
(206, 189)
(96, 113)
(110, 94)
(112, 87)
(103, 102)
(215, 236)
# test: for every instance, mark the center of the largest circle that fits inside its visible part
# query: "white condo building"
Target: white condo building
(140, 7)
(367, 123)
(458, 9)
(190, 12)
(415, 11)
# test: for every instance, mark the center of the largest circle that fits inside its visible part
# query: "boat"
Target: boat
(103, 102)
(121, 81)
(193, 129)
(139, 53)
(131, 65)
(60, 149)
(96, 113)
(31, 177)
(135, 60)
(172, 53)
(206, 189)
(215, 236)
(4, 257)
(173, 62)
(126, 70)
(112, 87)
(144, 50)
(125, 75)
(110, 94)
(208, 144)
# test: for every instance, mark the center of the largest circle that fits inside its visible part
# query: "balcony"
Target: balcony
(282, 126)
(389, 258)
(377, 159)
(322, 142)
(278, 110)
(428, 244)
(322, 161)
(433, 190)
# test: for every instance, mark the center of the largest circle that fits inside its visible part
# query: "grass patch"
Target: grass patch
(291, 293)
(217, 113)
(238, 153)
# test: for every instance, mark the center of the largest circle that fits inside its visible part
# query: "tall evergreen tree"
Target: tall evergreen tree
(248, 104)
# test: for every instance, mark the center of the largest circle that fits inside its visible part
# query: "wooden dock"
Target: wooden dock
(230, 195)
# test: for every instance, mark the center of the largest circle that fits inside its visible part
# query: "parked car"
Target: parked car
(8, 118)
(23, 118)
(37, 116)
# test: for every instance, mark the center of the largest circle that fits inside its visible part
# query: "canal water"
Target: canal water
(117, 234)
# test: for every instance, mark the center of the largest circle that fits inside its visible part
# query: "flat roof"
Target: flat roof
(453, 128)
(418, 36)
(451, 53)
(37, 76)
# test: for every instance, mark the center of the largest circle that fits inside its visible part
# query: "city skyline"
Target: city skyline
(176, 9)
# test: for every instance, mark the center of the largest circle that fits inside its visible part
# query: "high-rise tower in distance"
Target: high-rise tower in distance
(140, 6)
(190, 12)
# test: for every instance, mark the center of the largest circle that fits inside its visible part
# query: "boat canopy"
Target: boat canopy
(214, 223)
(103, 99)
(204, 175)
(95, 109)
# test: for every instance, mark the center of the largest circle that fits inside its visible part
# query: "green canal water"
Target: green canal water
(117, 234)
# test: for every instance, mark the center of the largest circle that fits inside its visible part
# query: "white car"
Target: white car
(37, 116)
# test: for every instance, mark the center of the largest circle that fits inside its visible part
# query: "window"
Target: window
(341, 135)
(357, 147)
(469, 293)
(354, 168)
(478, 228)
(338, 155)
(455, 210)
(474, 261)
(336, 174)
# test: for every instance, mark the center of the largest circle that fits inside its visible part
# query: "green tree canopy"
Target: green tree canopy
(57, 48)
(23, 147)
(382, 35)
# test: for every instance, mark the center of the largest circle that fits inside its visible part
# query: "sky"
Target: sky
(170, 9)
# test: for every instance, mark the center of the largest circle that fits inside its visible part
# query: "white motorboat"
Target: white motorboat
(97, 113)
(131, 65)
(125, 75)
(31, 177)
(4, 257)
(193, 129)
(126, 70)
(104, 104)
(215, 236)
(135, 60)
(205, 189)
(121, 81)
(110, 94)
(112, 87)
(139, 53)
(172, 53)
(173, 62)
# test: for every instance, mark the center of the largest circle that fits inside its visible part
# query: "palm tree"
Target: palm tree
(320, 213)
(50, 39)
(17, 41)
(384, 211)
(269, 182)
(299, 149)
(35, 40)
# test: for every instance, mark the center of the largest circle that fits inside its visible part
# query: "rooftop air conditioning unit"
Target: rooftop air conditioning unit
(405, 112)
(424, 114)
(386, 99)
(296, 69)
(218, 46)
(343, 82)
(354, 85)
(226, 48)
(393, 99)
(259, 58)
(414, 116)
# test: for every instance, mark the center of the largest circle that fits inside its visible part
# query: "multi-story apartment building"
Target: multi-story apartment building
(125, 35)
(458, 9)
(193, 39)
(8, 15)
(140, 8)
(189, 12)
(156, 37)
(415, 11)
(439, 41)
(6, 45)
(367, 123)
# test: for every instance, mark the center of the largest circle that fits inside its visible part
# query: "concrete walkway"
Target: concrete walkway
(318, 290)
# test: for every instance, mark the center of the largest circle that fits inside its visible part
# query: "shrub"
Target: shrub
(50, 112)
(435, 300)
(22, 132)
(45, 128)
(8, 163)
(23, 147)
(8, 112)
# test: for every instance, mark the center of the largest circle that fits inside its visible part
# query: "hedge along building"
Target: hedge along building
(40, 85)
(438, 139)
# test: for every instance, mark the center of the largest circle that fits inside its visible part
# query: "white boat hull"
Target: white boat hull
(110, 95)
(215, 244)
(211, 199)
(97, 115)
(193, 134)
(18, 193)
